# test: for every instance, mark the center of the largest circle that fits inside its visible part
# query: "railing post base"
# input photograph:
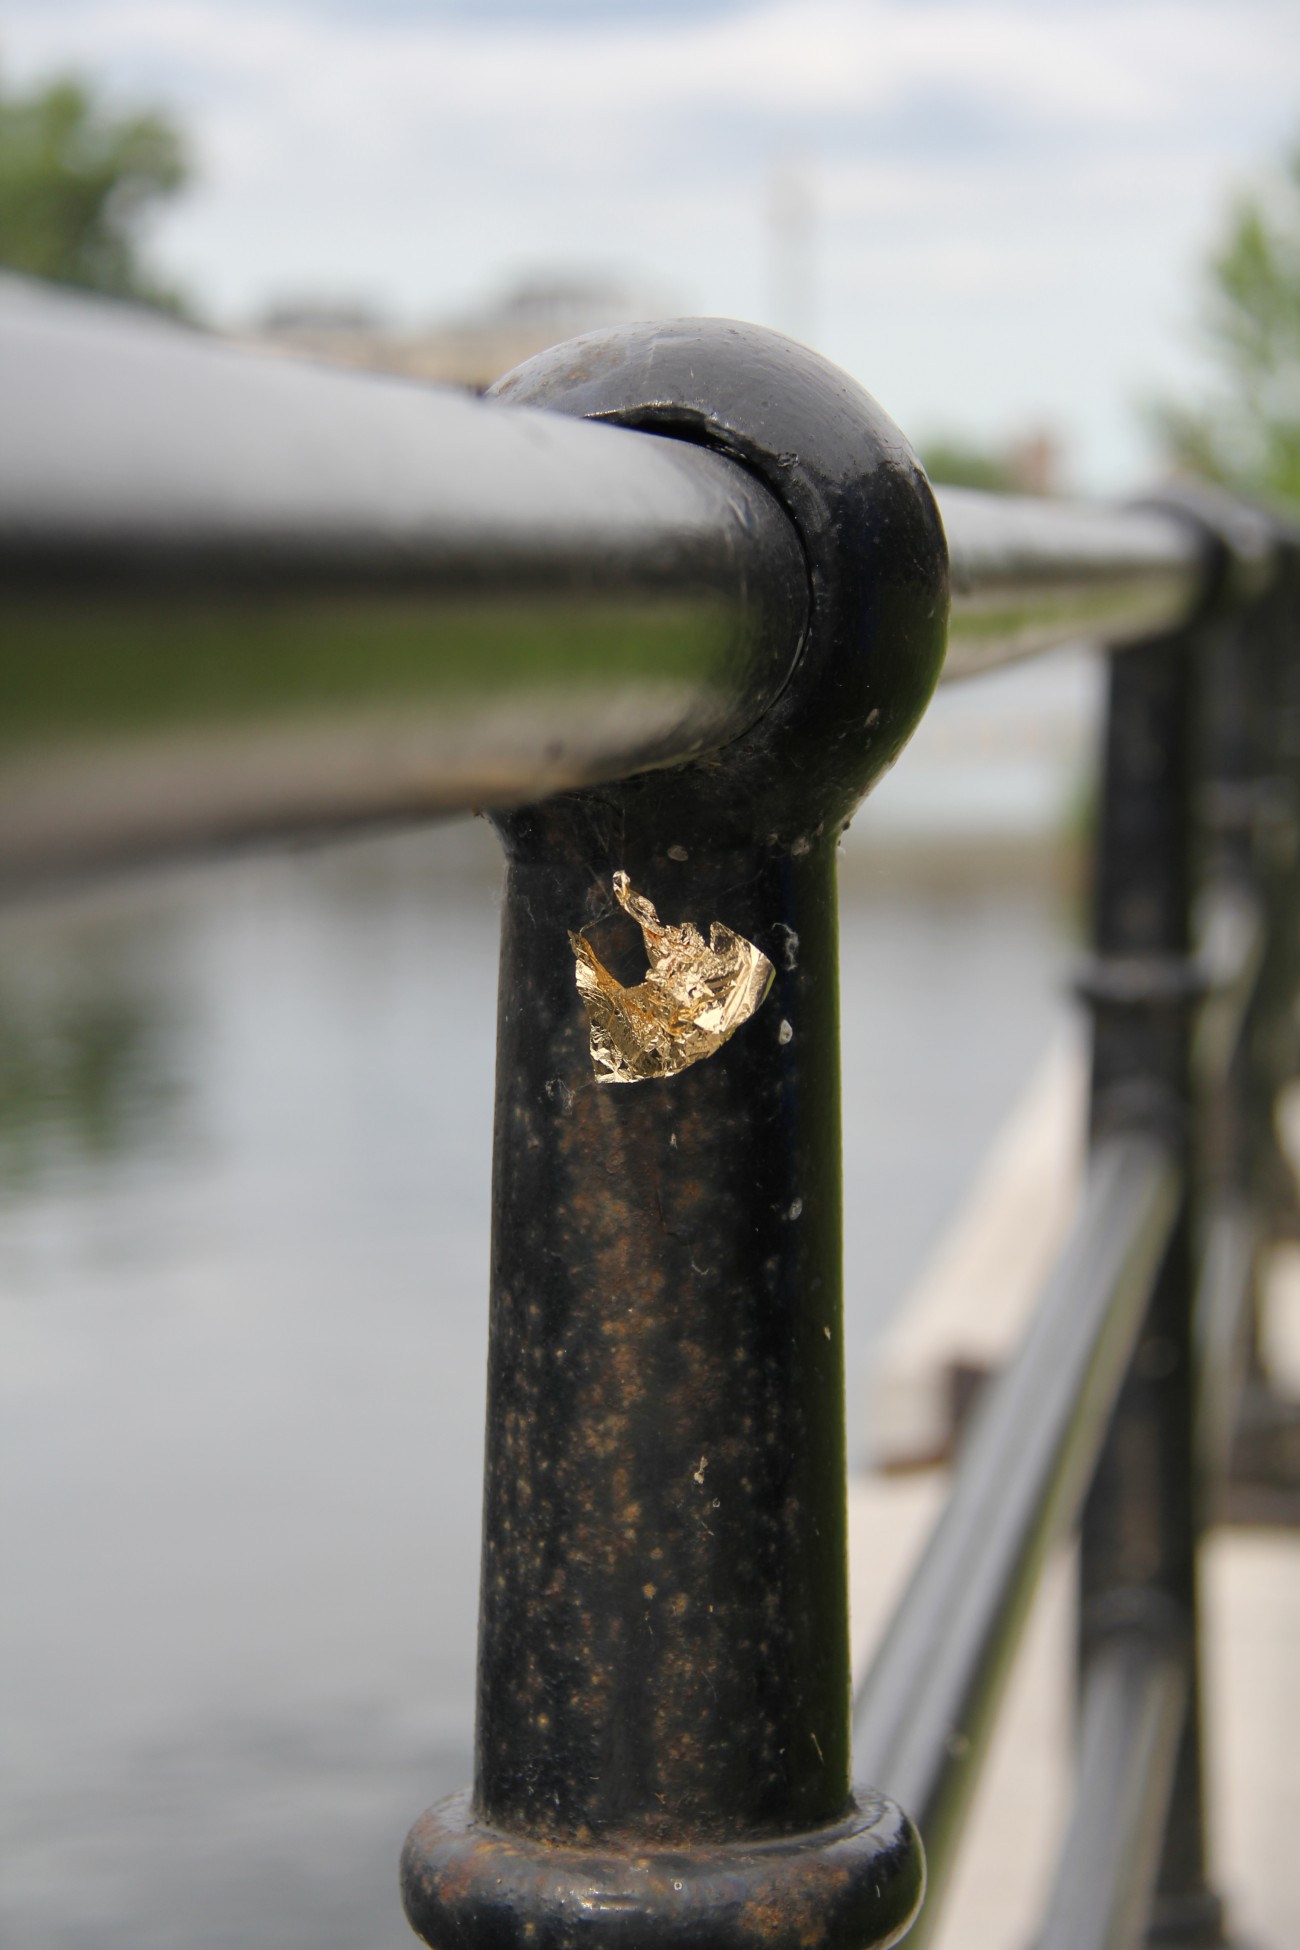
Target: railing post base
(854, 1882)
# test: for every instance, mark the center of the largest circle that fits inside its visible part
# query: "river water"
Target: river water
(244, 1163)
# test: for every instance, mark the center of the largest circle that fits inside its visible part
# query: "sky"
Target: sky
(1007, 202)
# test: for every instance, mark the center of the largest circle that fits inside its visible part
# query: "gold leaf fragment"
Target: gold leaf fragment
(695, 995)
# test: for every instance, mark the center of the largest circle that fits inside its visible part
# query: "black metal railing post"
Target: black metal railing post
(1263, 1475)
(1245, 817)
(663, 1703)
(1142, 1519)
(1179, 835)
(1231, 1233)
(1273, 1032)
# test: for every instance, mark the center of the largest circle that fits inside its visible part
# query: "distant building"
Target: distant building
(1034, 461)
(1028, 464)
(471, 351)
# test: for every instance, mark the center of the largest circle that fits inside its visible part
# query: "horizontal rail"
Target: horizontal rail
(245, 596)
(248, 597)
(1130, 1717)
(926, 1707)
(1028, 574)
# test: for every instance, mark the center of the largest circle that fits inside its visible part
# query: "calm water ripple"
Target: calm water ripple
(245, 1128)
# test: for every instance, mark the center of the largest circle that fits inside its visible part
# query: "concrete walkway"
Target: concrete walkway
(969, 1307)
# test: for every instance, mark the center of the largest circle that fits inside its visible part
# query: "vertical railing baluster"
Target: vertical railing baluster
(1180, 793)
(1237, 802)
(663, 1705)
(1264, 1468)
(1137, 1553)
(1274, 1030)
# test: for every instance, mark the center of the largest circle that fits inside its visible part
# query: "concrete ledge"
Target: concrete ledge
(976, 1294)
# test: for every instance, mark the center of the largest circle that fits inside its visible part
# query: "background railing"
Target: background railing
(245, 600)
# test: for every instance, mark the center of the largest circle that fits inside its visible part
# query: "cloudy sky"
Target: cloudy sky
(1007, 200)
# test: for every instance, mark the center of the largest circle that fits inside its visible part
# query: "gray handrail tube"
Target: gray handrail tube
(1029, 574)
(245, 597)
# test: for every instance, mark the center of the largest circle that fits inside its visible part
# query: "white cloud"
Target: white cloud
(961, 154)
(1139, 64)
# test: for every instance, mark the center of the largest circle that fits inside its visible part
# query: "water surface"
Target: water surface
(244, 1156)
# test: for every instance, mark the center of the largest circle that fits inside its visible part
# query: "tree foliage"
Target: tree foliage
(960, 463)
(76, 185)
(1248, 436)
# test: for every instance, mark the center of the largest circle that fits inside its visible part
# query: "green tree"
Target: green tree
(1248, 435)
(76, 185)
(959, 463)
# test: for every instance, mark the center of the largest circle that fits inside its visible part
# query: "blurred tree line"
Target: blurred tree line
(1248, 435)
(1028, 465)
(77, 183)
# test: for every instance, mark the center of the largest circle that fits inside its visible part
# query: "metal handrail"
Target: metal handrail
(1030, 574)
(246, 597)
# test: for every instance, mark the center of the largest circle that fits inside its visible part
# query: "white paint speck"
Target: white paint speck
(790, 944)
(796, 1208)
(785, 1033)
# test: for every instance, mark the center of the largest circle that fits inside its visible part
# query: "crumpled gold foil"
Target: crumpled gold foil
(695, 995)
